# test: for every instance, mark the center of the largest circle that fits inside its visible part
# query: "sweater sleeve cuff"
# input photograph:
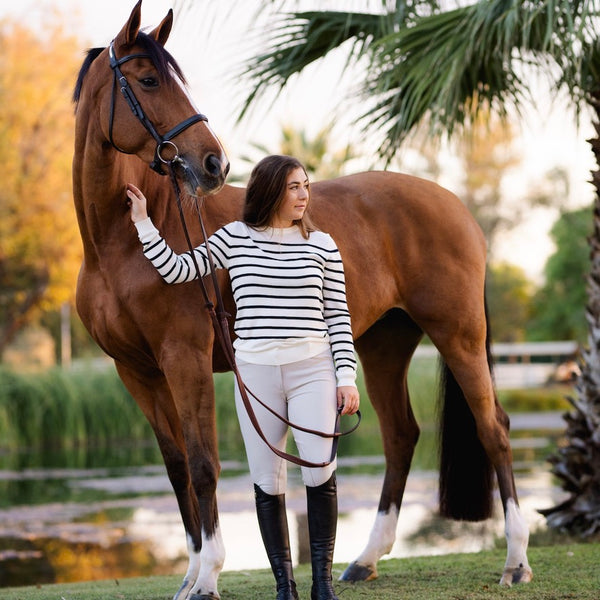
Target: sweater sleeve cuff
(346, 376)
(146, 230)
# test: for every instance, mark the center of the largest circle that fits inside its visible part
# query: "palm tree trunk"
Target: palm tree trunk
(577, 464)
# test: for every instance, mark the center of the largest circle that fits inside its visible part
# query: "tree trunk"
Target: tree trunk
(577, 464)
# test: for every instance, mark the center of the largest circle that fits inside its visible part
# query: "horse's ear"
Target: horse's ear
(128, 34)
(161, 33)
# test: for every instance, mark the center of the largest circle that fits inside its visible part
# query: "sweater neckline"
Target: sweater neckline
(276, 233)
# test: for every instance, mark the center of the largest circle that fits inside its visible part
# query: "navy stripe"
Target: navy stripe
(288, 290)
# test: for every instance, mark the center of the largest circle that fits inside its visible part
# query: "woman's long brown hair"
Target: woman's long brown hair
(266, 190)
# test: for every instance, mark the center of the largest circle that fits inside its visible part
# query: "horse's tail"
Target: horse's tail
(466, 474)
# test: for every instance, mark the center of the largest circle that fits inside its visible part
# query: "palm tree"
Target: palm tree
(316, 153)
(428, 63)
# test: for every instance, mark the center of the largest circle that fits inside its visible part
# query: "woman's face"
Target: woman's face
(295, 200)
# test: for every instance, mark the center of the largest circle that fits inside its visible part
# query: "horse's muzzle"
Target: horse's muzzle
(206, 178)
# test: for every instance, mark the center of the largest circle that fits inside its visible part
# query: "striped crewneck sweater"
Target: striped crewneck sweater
(289, 291)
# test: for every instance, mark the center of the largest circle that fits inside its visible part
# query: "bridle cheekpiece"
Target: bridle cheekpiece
(162, 141)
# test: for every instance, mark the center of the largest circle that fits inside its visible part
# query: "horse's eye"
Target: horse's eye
(149, 82)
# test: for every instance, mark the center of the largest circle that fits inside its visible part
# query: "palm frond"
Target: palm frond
(440, 66)
(451, 64)
(299, 39)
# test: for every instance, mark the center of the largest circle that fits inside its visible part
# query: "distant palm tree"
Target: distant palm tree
(444, 65)
(317, 154)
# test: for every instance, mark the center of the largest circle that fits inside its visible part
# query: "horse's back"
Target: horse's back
(405, 241)
(396, 201)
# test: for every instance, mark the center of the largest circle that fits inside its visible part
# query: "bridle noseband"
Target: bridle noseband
(161, 140)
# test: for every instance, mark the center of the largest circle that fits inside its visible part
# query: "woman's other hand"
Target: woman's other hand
(348, 399)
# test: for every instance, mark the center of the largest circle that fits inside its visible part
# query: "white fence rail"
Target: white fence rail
(527, 364)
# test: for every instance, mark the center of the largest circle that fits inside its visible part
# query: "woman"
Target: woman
(294, 348)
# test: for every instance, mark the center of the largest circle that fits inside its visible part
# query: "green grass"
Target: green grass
(561, 572)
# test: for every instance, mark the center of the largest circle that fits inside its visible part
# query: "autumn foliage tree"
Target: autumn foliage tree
(40, 249)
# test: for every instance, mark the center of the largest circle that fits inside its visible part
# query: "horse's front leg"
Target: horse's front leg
(205, 547)
(211, 555)
(195, 402)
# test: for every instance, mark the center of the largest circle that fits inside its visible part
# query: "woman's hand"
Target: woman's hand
(348, 399)
(137, 203)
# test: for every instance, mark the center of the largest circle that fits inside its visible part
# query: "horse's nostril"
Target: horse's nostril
(212, 164)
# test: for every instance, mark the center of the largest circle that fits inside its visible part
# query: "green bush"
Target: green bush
(535, 399)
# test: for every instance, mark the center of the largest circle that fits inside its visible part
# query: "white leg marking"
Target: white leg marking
(212, 557)
(192, 572)
(516, 568)
(517, 536)
(382, 537)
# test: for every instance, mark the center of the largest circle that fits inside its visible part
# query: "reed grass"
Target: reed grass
(91, 406)
(59, 408)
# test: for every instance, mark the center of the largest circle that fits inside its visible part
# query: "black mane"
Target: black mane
(161, 58)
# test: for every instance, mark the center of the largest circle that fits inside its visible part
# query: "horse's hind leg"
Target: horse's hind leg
(205, 555)
(385, 351)
(469, 368)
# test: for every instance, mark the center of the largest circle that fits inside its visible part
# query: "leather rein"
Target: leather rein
(218, 315)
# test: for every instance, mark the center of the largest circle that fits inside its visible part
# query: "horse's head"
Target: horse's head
(143, 107)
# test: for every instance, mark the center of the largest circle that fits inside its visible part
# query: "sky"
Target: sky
(212, 38)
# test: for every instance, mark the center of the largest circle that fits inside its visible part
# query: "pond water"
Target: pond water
(118, 517)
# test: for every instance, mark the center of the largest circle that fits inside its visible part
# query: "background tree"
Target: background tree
(487, 153)
(39, 242)
(446, 64)
(317, 154)
(481, 160)
(509, 294)
(559, 305)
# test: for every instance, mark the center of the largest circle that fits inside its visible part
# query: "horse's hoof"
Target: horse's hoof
(356, 572)
(516, 575)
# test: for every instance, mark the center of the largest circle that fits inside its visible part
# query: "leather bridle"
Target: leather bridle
(162, 141)
(219, 315)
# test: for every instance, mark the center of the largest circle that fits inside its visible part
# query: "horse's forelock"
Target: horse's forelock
(161, 58)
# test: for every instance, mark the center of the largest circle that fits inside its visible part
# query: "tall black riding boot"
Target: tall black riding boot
(321, 502)
(272, 520)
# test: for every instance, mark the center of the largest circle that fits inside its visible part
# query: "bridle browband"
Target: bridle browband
(218, 316)
(161, 140)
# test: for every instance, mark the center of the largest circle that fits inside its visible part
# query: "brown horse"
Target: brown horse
(415, 264)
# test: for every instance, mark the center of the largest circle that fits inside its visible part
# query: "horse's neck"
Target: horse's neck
(100, 175)
(99, 179)
(223, 208)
